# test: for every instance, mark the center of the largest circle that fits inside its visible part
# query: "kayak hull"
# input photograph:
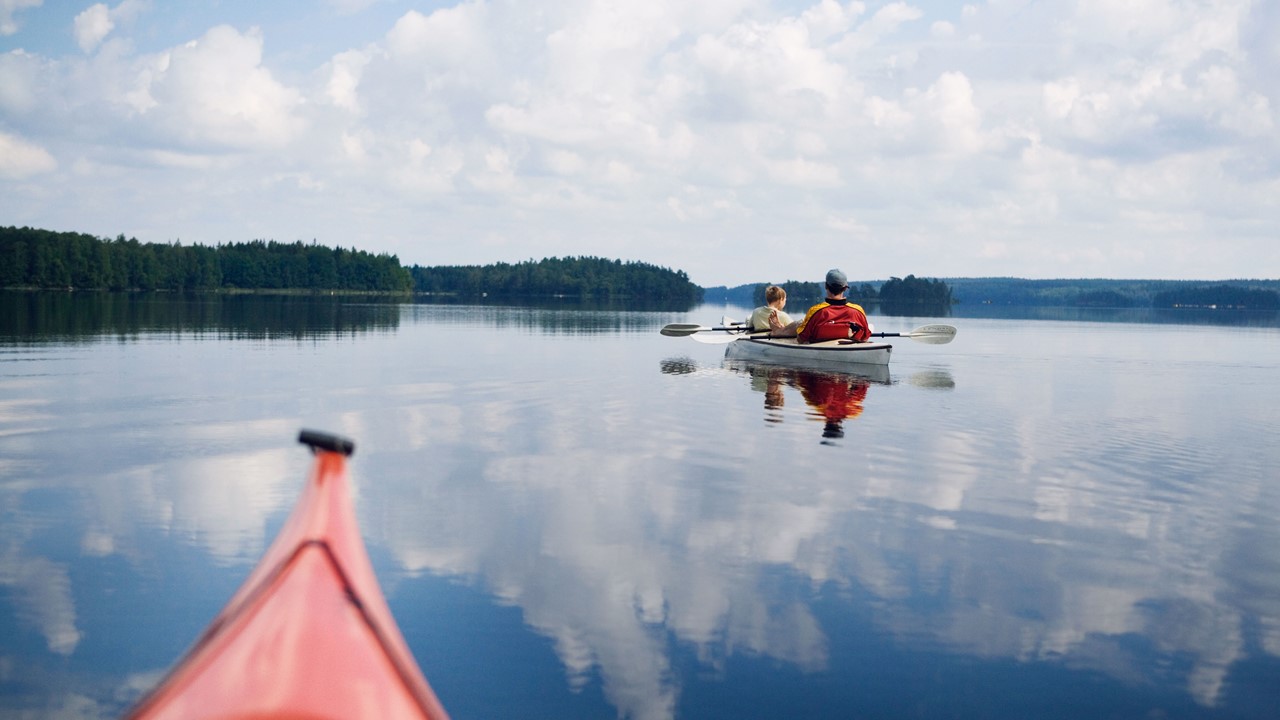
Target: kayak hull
(309, 633)
(832, 353)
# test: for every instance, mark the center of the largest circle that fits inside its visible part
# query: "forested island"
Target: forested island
(43, 259)
(581, 277)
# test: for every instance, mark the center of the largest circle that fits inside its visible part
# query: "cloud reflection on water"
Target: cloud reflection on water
(609, 552)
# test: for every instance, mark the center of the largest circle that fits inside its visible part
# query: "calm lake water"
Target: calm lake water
(573, 516)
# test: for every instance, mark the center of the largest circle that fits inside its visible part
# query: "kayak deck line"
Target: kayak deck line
(309, 633)
(836, 352)
(841, 346)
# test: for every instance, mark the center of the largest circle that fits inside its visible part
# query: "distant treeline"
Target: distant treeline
(1239, 294)
(1218, 296)
(579, 277)
(45, 259)
(807, 293)
(906, 293)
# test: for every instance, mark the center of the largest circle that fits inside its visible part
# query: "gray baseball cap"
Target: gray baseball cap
(835, 277)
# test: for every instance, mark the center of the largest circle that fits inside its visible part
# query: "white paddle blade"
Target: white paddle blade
(717, 338)
(933, 334)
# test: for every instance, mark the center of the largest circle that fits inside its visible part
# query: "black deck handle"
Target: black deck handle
(318, 440)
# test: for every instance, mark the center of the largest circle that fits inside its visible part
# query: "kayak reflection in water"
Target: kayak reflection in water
(835, 396)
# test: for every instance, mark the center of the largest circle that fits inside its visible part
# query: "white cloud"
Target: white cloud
(619, 173)
(949, 103)
(9, 8)
(941, 119)
(96, 22)
(883, 23)
(564, 162)
(22, 76)
(20, 159)
(215, 91)
(344, 79)
(848, 226)
(694, 204)
(1178, 33)
(764, 66)
(886, 114)
(498, 172)
(92, 25)
(444, 40)
(799, 171)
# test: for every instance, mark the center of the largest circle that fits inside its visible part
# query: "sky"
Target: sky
(737, 140)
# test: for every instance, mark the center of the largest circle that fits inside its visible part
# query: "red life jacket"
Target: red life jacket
(830, 321)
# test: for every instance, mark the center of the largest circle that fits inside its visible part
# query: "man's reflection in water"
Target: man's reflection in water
(837, 397)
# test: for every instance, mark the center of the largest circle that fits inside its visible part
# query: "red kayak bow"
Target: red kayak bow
(309, 634)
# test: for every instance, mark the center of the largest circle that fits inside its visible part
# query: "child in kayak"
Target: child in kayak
(770, 315)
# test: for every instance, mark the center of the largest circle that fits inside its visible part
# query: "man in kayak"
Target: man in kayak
(770, 315)
(835, 318)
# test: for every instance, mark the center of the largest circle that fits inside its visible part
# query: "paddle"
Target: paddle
(927, 334)
(726, 333)
(685, 329)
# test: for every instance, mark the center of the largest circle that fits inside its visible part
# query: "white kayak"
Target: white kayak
(830, 352)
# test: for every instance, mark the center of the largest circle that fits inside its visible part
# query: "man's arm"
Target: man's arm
(804, 325)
